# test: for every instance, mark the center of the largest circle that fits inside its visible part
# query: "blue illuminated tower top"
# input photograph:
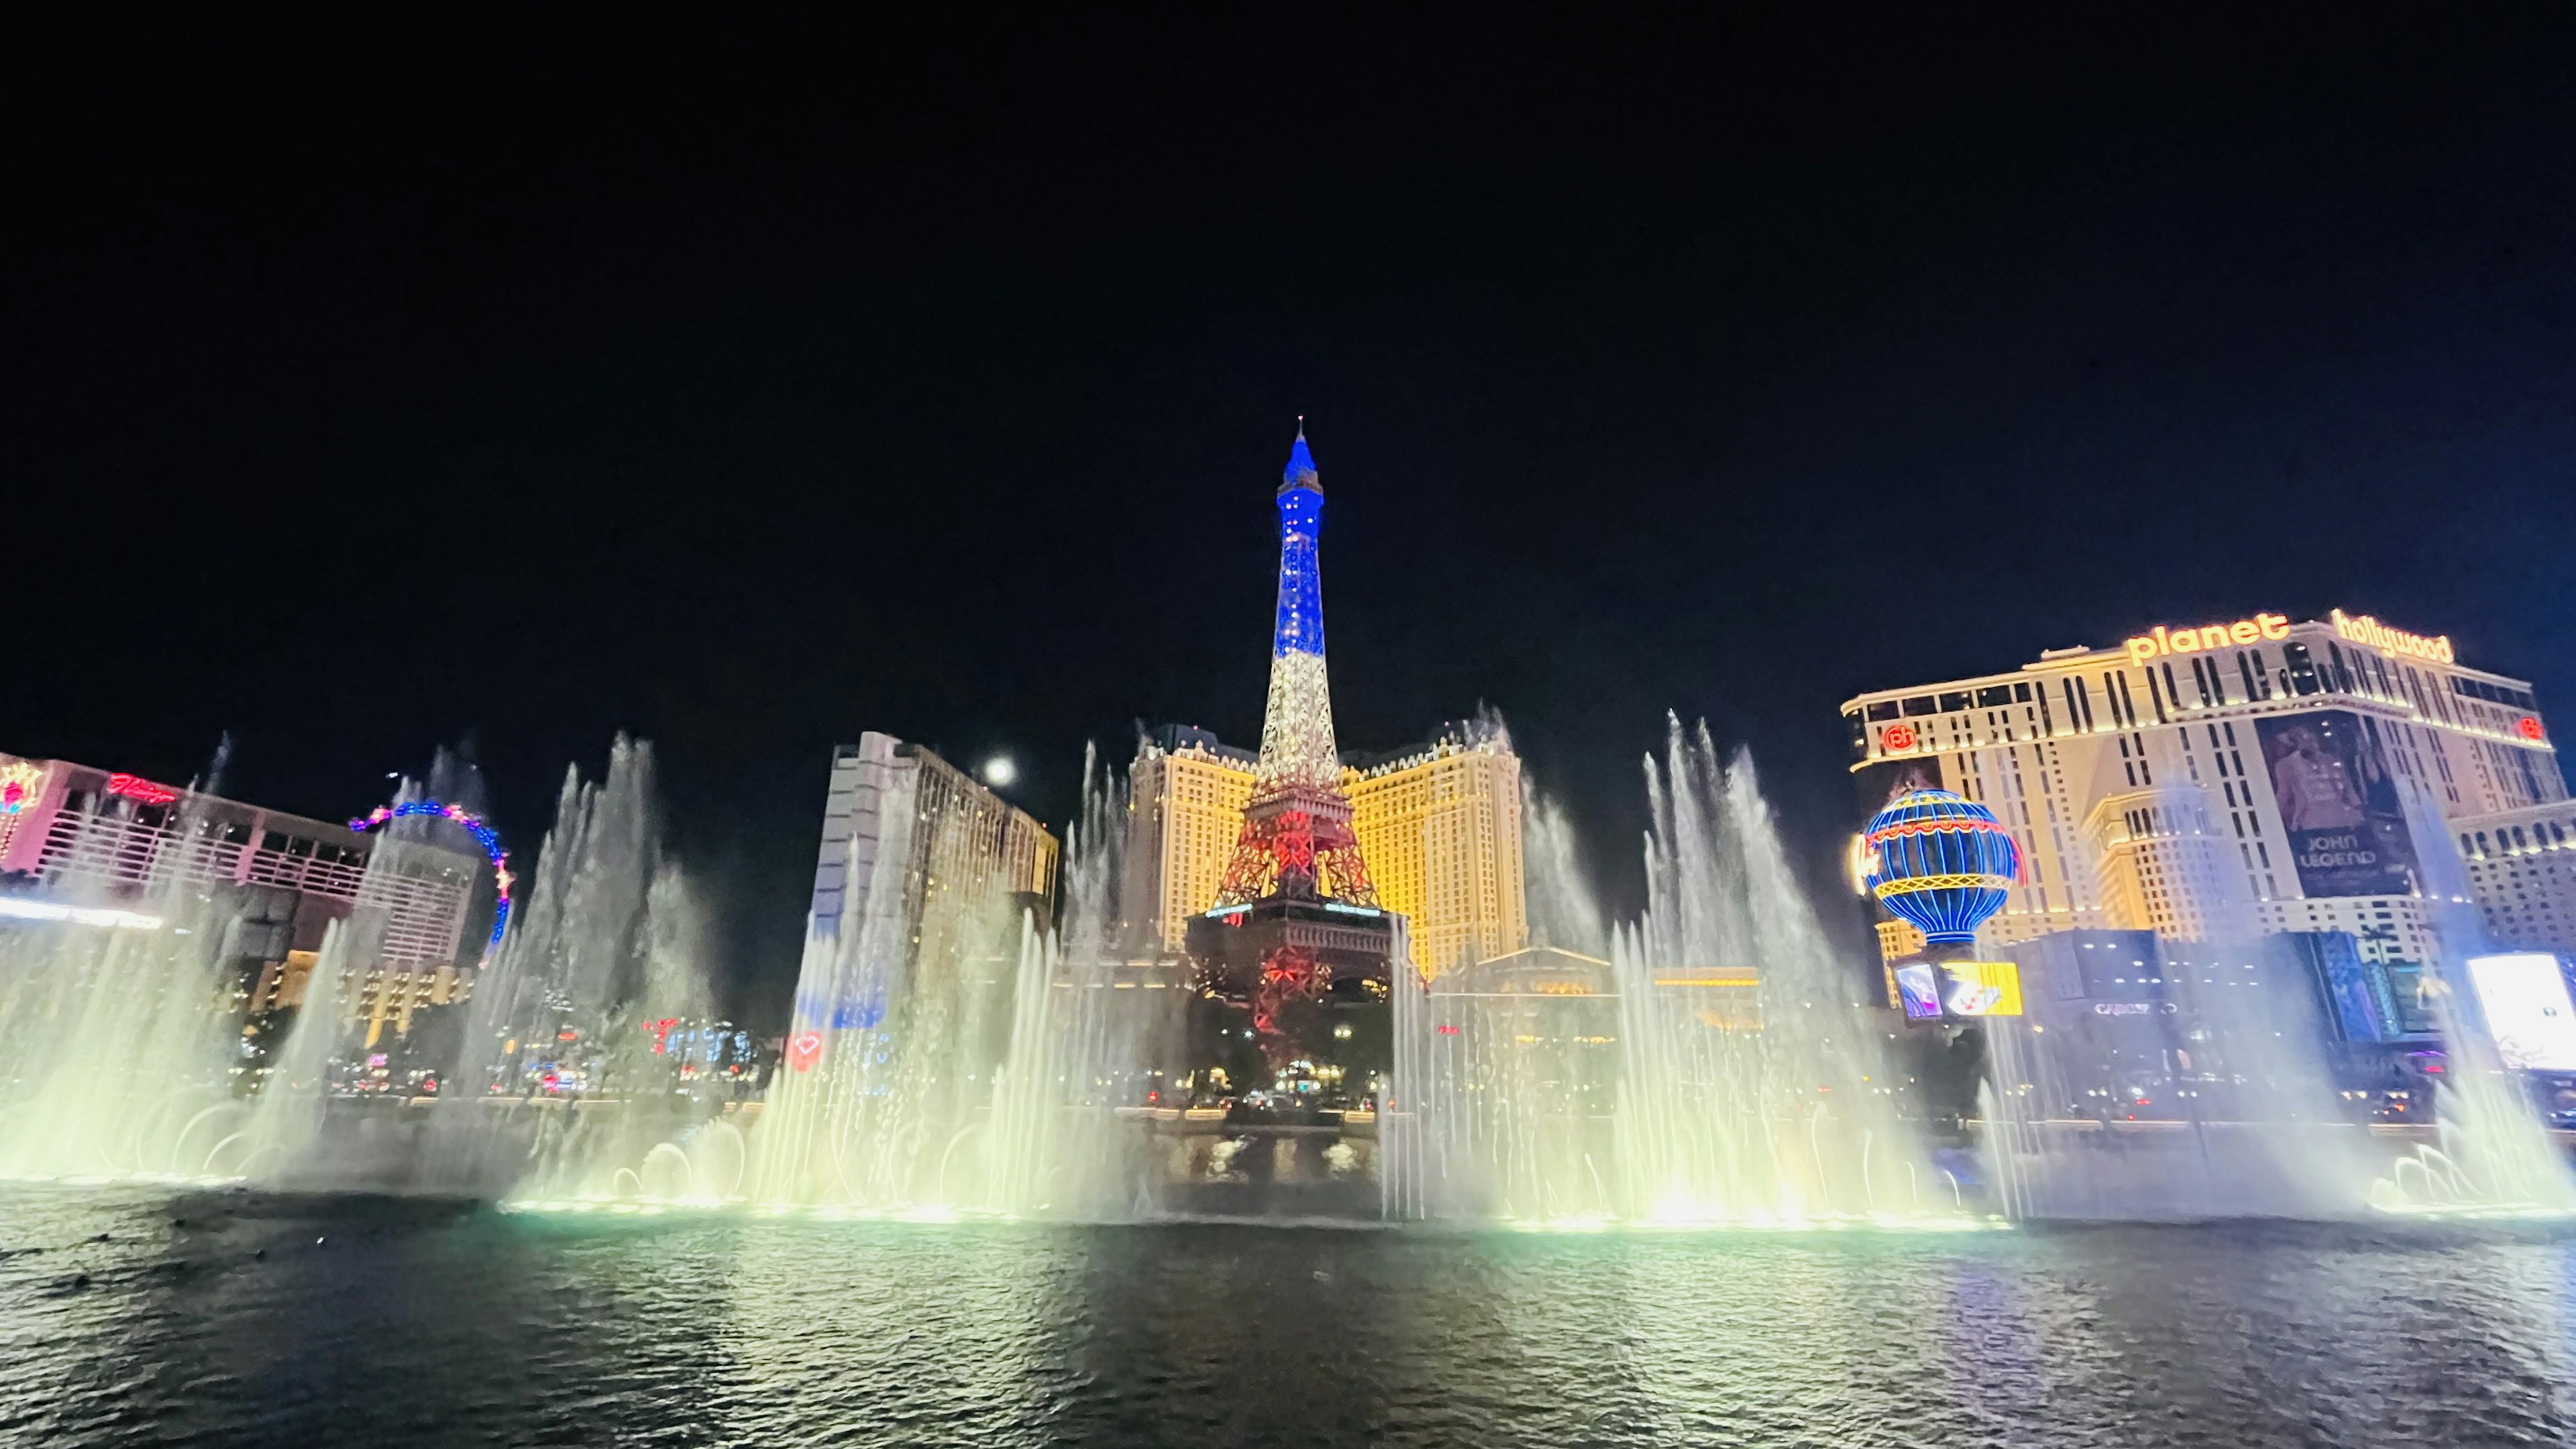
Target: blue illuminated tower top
(1301, 581)
(1297, 728)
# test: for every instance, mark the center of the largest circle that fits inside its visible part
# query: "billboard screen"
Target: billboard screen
(1957, 988)
(2339, 804)
(1920, 991)
(1983, 988)
(2355, 989)
(2414, 1016)
(2524, 996)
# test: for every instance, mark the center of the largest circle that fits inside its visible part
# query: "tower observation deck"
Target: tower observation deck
(1296, 927)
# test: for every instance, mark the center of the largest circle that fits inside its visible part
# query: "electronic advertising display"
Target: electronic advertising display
(2406, 994)
(2524, 997)
(1958, 989)
(1982, 988)
(2339, 803)
(1919, 990)
(2358, 993)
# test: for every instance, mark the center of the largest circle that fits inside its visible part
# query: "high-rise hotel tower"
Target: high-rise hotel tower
(2220, 780)
(1439, 823)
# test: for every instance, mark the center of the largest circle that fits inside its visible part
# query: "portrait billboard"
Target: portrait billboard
(2524, 997)
(2414, 1015)
(2358, 993)
(1920, 990)
(2339, 804)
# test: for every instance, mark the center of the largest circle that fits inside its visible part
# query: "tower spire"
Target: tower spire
(1296, 920)
(1301, 464)
(1297, 722)
(1297, 838)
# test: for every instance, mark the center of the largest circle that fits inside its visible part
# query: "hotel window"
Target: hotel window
(1954, 701)
(1921, 704)
(1882, 709)
(2302, 668)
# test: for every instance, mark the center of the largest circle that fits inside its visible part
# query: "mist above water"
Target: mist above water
(1708, 1062)
(1727, 1074)
(110, 1061)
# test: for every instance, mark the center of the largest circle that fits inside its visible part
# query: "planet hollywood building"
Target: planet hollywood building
(2223, 779)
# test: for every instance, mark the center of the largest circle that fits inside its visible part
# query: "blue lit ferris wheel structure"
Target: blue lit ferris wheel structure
(1940, 862)
(484, 836)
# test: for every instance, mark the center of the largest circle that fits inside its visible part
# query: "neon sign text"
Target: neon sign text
(2363, 629)
(135, 787)
(2162, 640)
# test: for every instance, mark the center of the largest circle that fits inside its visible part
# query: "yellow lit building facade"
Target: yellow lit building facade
(2223, 779)
(1439, 825)
(1186, 792)
(1440, 828)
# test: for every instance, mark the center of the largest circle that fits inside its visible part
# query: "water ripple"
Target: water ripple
(235, 1319)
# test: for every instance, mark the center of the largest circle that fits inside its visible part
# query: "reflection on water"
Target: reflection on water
(230, 1318)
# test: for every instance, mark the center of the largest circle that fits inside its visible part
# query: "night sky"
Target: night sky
(743, 389)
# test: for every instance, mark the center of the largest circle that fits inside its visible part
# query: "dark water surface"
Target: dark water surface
(234, 1319)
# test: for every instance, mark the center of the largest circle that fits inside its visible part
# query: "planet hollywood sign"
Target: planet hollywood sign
(2163, 640)
(2166, 639)
(2364, 629)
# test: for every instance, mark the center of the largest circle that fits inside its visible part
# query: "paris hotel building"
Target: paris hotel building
(1438, 823)
(2218, 779)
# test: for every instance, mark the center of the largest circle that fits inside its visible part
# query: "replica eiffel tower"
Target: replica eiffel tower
(1296, 936)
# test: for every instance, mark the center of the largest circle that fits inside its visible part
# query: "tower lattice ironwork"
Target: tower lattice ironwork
(1297, 841)
(1296, 932)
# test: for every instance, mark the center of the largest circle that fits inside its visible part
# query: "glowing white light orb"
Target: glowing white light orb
(1000, 770)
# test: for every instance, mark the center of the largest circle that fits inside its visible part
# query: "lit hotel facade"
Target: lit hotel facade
(81, 844)
(896, 816)
(1439, 825)
(2227, 779)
